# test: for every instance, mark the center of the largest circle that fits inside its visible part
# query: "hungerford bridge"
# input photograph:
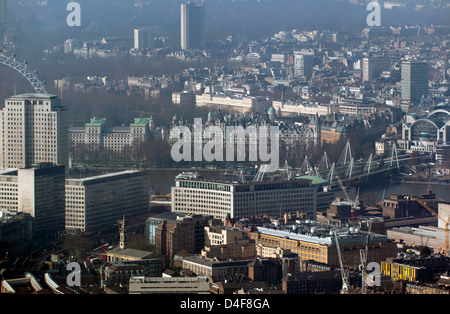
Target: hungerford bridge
(348, 170)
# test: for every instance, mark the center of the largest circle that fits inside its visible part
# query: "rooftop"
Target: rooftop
(314, 180)
(319, 233)
(105, 177)
(33, 96)
(131, 252)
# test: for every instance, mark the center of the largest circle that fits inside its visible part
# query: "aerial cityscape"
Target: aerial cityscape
(224, 148)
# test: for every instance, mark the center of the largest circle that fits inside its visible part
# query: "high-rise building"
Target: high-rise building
(96, 202)
(39, 192)
(414, 80)
(303, 65)
(192, 26)
(374, 66)
(33, 130)
(141, 39)
(3, 10)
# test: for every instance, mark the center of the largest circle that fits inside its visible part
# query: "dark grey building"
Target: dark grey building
(192, 26)
(3, 10)
(414, 80)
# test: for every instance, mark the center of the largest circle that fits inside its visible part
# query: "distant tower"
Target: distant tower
(314, 124)
(151, 124)
(142, 39)
(123, 239)
(192, 26)
(3, 10)
(414, 81)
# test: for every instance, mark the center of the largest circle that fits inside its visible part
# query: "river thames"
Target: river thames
(163, 181)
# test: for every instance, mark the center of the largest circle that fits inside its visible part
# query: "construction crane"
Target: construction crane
(364, 254)
(343, 189)
(354, 203)
(446, 222)
(344, 272)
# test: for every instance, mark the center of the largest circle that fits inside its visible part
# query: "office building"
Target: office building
(316, 241)
(211, 267)
(38, 192)
(192, 26)
(414, 83)
(374, 66)
(142, 39)
(303, 65)
(415, 269)
(100, 201)
(244, 200)
(183, 235)
(3, 10)
(151, 224)
(33, 130)
(95, 136)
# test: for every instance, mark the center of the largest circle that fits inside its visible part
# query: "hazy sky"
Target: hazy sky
(254, 18)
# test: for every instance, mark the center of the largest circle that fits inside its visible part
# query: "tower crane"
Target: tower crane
(364, 254)
(354, 203)
(344, 272)
(446, 222)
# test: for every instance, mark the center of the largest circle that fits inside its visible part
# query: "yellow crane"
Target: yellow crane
(446, 222)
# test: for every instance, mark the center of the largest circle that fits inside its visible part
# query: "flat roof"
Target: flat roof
(322, 234)
(106, 176)
(34, 96)
(167, 216)
(132, 252)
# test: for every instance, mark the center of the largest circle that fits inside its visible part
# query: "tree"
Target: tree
(76, 246)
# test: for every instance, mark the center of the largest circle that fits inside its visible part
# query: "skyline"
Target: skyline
(226, 148)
